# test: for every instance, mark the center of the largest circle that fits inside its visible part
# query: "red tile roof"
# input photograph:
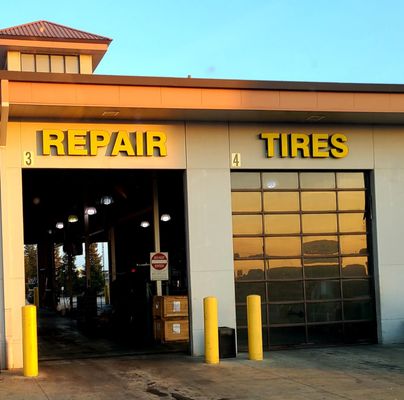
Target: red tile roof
(49, 31)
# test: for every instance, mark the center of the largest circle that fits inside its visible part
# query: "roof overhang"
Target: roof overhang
(96, 98)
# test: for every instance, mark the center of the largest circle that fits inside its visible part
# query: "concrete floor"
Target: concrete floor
(59, 339)
(363, 372)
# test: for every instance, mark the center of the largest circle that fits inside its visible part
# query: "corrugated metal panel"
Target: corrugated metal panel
(49, 30)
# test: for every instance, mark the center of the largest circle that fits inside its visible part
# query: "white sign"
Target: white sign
(235, 160)
(176, 306)
(159, 266)
(28, 158)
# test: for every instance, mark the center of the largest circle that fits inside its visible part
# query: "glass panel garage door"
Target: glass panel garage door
(301, 241)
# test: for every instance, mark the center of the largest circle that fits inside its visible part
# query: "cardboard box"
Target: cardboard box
(171, 330)
(170, 306)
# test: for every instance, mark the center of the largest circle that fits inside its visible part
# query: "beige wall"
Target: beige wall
(22, 137)
(30, 132)
(244, 139)
(210, 249)
(12, 257)
(389, 203)
(374, 148)
(204, 150)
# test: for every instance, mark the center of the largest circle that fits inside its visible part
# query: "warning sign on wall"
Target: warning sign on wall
(159, 266)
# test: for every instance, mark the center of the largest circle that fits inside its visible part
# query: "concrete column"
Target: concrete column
(12, 265)
(210, 258)
(2, 307)
(389, 207)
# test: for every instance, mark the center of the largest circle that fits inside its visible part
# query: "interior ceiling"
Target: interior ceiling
(50, 196)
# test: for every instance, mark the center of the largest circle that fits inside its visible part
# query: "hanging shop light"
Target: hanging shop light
(106, 200)
(165, 217)
(145, 224)
(91, 211)
(72, 218)
(60, 225)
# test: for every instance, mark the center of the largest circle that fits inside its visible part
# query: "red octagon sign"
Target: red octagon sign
(159, 261)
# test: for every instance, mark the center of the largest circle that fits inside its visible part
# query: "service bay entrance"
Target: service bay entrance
(108, 215)
(302, 242)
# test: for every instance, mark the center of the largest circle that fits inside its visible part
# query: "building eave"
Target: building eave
(73, 97)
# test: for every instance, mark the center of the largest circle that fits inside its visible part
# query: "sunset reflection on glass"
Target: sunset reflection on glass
(305, 251)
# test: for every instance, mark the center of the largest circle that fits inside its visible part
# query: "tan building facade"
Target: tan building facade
(291, 190)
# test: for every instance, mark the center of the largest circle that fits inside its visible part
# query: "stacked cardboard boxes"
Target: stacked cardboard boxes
(170, 314)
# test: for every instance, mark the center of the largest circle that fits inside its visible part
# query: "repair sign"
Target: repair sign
(159, 266)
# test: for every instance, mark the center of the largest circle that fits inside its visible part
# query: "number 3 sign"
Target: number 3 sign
(28, 159)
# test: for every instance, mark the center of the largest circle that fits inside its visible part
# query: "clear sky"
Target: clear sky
(291, 40)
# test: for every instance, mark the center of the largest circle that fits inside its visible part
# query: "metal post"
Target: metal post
(30, 341)
(36, 296)
(156, 225)
(87, 251)
(112, 257)
(254, 327)
(106, 293)
(70, 280)
(211, 330)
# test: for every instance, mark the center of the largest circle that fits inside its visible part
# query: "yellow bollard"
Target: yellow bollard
(29, 341)
(211, 330)
(36, 297)
(254, 327)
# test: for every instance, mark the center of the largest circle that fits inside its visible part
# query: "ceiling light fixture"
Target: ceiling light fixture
(106, 200)
(315, 118)
(60, 225)
(110, 114)
(145, 224)
(72, 218)
(165, 217)
(91, 211)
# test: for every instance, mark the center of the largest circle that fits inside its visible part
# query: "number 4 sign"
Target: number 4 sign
(235, 160)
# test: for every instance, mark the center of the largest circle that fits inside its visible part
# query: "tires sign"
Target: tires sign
(159, 266)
